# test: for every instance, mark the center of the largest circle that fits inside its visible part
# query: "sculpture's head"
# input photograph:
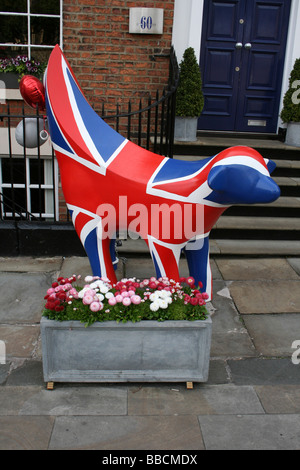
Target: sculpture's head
(240, 175)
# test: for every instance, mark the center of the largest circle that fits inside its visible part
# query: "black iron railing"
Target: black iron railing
(29, 183)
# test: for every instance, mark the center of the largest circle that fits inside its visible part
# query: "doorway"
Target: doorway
(242, 58)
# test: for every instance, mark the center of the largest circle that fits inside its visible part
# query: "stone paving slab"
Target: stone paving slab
(266, 296)
(256, 269)
(126, 432)
(295, 263)
(257, 371)
(203, 399)
(249, 432)
(82, 400)
(25, 432)
(279, 399)
(229, 336)
(273, 335)
(20, 340)
(30, 264)
(22, 296)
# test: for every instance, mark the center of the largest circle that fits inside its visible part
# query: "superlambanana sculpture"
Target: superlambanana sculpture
(111, 185)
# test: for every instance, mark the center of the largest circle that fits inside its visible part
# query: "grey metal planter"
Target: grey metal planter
(293, 134)
(147, 351)
(186, 129)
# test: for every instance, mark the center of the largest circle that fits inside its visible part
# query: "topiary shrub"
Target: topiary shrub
(189, 98)
(291, 102)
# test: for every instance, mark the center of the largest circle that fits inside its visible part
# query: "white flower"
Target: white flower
(164, 294)
(88, 278)
(154, 296)
(109, 295)
(104, 289)
(162, 303)
(154, 306)
(100, 297)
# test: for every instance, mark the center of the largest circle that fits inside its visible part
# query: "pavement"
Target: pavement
(251, 400)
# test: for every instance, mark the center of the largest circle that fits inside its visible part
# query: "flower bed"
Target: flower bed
(127, 300)
(22, 65)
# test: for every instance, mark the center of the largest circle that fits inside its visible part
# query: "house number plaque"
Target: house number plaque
(146, 20)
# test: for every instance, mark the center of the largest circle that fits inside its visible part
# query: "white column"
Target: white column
(187, 26)
(292, 49)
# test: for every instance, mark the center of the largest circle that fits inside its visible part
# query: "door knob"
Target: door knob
(248, 45)
(239, 45)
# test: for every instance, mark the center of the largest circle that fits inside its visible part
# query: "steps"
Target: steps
(270, 229)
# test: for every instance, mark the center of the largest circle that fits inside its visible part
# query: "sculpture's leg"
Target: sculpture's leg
(197, 254)
(100, 255)
(165, 258)
(99, 249)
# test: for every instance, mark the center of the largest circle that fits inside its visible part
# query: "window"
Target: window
(30, 27)
(27, 188)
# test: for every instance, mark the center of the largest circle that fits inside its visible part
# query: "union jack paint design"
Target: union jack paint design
(100, 169)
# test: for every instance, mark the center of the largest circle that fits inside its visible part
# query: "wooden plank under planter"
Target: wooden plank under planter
(146, 351)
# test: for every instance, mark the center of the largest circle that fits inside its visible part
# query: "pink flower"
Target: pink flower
(73, 292)
(205, 296)
(125, 294)
(50, 291)
(112, 301)
(136, 299)
(126, 301)
(87, 299)
(95, 306)
(119, 298)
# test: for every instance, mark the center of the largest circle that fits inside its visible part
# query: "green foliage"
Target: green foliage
(134, 313)
(189, 98)
(291, 105)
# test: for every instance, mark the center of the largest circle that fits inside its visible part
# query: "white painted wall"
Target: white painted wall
(187, 31)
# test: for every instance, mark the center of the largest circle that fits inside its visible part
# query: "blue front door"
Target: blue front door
(242, 58)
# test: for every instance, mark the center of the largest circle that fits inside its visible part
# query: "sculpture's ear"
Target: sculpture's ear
(218, 178)
(270, 164)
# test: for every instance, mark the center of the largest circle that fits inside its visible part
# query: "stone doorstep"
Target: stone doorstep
(258, 223)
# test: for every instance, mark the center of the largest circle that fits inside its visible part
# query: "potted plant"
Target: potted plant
(189, 98)
(143, 331)
(290, 113)
(12, 69)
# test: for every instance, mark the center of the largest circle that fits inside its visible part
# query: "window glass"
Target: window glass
(19, 197)
(36, 171)
(13, 29)
(37, 201)
(19, 6)
(44, 31)
(48, 7)
(13, 171)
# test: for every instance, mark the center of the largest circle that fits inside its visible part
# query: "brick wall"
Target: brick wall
(111, 65)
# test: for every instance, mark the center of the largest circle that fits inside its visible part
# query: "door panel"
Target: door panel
(242, 58)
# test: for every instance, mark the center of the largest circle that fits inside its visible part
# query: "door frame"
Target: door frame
(187, 32)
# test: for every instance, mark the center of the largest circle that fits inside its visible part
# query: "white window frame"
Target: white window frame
(30, 15)
(48, 187)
